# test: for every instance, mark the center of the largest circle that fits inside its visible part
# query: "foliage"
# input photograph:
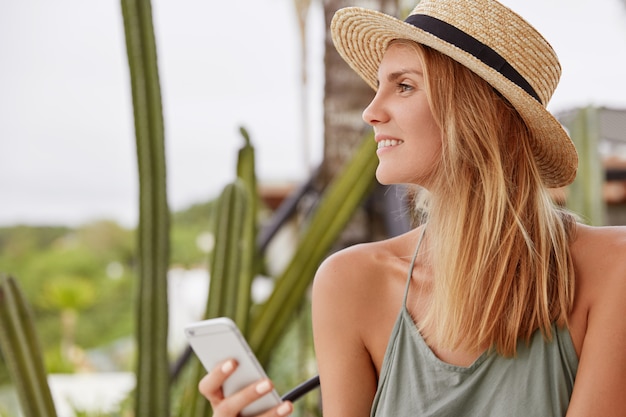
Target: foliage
(190, 235)
(99, 258)
(93, 262)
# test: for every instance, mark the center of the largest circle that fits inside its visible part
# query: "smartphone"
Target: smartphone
(216, 340)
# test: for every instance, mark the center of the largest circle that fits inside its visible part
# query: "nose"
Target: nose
(374, 113)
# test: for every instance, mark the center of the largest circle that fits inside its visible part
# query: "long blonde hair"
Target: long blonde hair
(501, 257)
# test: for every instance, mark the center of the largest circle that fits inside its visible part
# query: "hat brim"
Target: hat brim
(361, 36)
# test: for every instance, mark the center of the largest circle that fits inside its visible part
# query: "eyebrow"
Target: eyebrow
(397, 74)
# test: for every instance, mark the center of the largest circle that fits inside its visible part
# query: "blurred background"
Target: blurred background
(68, 168)
(67, 144)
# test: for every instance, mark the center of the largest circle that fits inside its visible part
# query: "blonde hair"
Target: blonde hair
(499, 244)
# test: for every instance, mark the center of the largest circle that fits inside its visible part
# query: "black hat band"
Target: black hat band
(472, 46)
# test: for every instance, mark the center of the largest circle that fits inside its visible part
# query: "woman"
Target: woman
(499, 303)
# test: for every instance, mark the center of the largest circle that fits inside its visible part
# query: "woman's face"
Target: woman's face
(409, 140)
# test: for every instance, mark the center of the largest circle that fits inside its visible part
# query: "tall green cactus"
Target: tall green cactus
(232, 261)
(152, 391)
(22, 353)
(229, 278)
(246, 174)
(225, 270)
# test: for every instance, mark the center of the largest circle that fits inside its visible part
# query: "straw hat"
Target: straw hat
(488, 38)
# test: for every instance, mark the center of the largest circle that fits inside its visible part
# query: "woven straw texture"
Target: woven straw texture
(361, 37)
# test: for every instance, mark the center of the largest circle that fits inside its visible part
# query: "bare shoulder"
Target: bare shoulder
(350, 267)
(362, 273)
(348, 280)
(591, 238)
(599, 255)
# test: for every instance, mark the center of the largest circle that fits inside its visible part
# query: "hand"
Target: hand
(211, 387)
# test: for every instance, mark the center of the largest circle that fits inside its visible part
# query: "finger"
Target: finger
(210, 386)
(235, 403)
(281, 410)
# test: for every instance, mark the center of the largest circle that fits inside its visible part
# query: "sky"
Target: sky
(67, 147)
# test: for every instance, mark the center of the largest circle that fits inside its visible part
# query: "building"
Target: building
(600, 137)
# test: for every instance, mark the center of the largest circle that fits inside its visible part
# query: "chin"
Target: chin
(380, 177)
(384, 179)
(391, 172)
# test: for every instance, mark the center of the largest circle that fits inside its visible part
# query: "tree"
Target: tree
(345, 97)
(345, 93)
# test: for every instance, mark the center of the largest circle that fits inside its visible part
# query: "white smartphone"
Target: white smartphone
(216, 340)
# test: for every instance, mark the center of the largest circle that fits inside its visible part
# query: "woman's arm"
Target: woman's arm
(347, 375)
(600, 385)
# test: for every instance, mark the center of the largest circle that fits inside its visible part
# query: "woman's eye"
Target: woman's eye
(404, 87)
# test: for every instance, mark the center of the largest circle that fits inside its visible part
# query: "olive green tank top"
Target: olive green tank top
(414, 382)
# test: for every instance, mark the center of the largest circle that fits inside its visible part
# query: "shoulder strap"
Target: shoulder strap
(410, 273)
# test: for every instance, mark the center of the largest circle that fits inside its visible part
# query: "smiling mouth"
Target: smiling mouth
(388, 143)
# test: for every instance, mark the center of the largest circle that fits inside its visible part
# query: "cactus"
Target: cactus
(340, 201)
(152, 391)
(233, 258)
(22, 353)
(232, 261)
(249, 256)
(585, 197)
(231, 268)
(225, 266)
(225, 279)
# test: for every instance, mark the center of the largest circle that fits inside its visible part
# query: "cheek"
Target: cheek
(428, 147)
(418, 121)
(427, 135)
